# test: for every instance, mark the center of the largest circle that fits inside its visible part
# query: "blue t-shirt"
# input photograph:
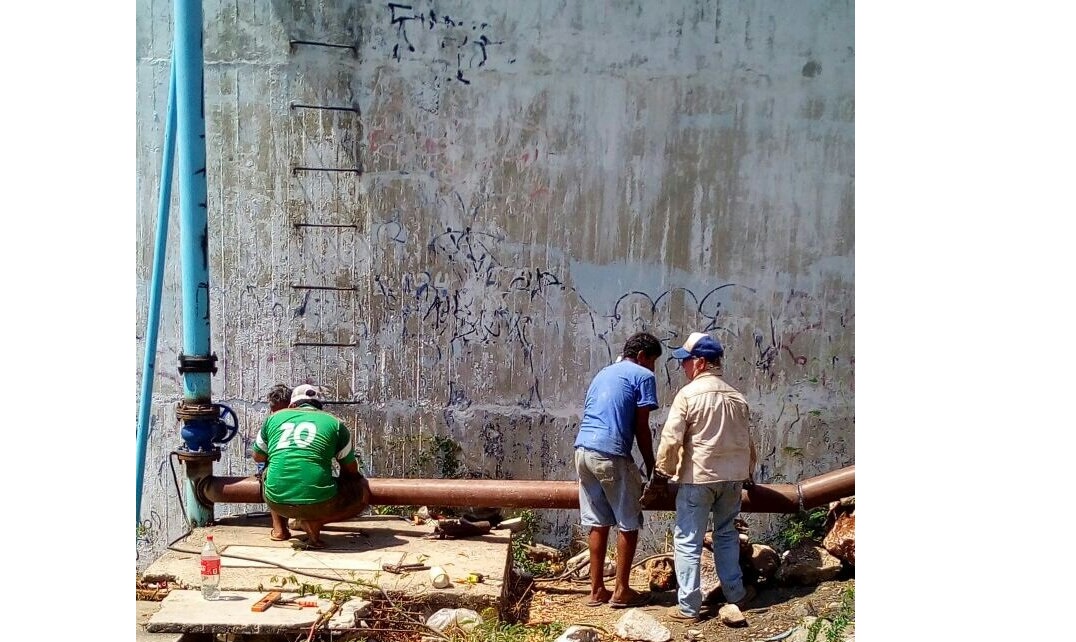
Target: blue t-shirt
(608, 424)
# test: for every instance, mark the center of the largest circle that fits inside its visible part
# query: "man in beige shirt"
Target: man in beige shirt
(706, 444)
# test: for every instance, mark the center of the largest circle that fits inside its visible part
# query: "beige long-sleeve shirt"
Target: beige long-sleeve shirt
(707, 436)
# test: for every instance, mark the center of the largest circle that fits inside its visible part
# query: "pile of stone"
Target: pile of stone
(806, 564)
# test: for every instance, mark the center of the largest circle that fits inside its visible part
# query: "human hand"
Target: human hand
(656, 489)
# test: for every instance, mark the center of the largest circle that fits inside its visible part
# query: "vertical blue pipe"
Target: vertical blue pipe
(194, 226)
(153, 317)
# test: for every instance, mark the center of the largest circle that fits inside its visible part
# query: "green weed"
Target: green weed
(393, 510)
(802, 527)
(526, 537)
(845, 616)
(494, 630)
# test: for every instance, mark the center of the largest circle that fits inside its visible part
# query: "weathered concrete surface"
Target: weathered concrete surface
(144, 610)
(188, 611)
(538, 180)
(251, 562)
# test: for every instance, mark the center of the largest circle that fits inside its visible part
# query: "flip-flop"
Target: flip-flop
(641, 600)
(274, 538)
(314, 545)
(594, 603)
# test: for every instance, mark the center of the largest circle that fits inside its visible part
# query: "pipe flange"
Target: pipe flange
(200, 486)
(188, 412)
(198, 363)
(197, 455)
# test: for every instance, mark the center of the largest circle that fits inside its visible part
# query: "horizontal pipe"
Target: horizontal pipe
(762, 498)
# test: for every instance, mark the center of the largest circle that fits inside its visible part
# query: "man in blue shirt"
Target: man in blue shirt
(616, 413)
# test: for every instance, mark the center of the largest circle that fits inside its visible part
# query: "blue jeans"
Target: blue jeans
(694, 504)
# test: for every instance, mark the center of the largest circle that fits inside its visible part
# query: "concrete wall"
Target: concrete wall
(538, 180)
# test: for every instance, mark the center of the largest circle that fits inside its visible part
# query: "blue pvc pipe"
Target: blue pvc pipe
(153, 317)
(194, 227)
(193, 212)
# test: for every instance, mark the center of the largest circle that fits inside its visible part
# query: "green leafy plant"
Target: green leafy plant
(494, 630)
(845, 616)
(392, 510)
(439, 452)
(806, 525)
(524, 537)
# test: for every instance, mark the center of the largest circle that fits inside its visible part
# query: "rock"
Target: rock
(764, 560)
(661, 573)
(580, 633)
(840, 541)
(730, 615)
(808, 564)
(640, 625)
(845, 506)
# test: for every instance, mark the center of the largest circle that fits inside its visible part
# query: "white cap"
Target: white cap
(306, 392)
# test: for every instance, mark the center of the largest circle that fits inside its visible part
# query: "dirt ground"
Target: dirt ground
(776, 609)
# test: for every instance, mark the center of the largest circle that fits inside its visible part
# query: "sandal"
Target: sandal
(283, 538)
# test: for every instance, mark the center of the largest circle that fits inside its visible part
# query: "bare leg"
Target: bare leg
(359, 490)
(313, 532)
(596, 544)
(280, 530)
(626, 542)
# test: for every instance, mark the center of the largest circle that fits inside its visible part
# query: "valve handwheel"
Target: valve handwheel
(228, 421)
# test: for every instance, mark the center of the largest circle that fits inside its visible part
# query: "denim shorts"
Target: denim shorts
(609, 490)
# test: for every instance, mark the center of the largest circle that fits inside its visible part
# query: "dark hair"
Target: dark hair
(279, 395)
(643, 342)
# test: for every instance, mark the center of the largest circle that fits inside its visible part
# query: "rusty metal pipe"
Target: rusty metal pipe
(762, 498)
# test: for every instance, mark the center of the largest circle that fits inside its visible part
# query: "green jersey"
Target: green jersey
(301, 444)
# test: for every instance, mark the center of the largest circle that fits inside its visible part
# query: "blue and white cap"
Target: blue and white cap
(699, 344)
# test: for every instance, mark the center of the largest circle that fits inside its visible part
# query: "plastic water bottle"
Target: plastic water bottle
(210, 570)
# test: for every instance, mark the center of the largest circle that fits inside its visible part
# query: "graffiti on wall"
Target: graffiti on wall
(462, 45)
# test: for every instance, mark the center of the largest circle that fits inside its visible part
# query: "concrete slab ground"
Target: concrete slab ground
(144, 610)
(252, 565)
(188, 611)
